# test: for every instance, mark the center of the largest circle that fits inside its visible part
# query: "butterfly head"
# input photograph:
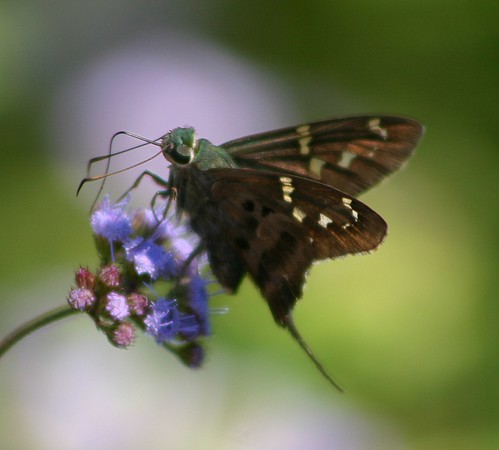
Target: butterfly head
(179, 146)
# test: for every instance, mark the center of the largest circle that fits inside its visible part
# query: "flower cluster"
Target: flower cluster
(143, 253)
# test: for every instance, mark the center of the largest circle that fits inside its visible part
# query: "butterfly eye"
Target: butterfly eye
(181, 154)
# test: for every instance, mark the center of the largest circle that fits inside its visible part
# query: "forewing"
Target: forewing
(278, 225)
(349, 153)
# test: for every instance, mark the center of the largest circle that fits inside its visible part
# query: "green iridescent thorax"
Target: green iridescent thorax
(209, 156)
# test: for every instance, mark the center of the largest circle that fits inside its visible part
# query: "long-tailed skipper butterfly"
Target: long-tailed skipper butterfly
(270, 204)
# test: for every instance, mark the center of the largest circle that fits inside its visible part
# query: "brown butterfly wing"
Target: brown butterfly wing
(349, 153)
(276, 226)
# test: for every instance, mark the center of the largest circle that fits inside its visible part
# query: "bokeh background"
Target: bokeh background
(411, 331)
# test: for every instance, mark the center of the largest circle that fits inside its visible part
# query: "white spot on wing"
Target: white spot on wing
(375, 126)
(298, 214)
(347, 202)
(324, 221)
(346, 159)
(315, 166)
(304, 145)
(287, 188)
(305, 139)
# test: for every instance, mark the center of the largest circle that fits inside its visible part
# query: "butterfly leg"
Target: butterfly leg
(169, 193)
(156, 178)
(164, 193)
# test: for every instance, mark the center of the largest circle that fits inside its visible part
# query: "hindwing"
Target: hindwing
(277, 225)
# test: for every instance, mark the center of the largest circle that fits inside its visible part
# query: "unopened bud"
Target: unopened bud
(123, 335)
(84, 278)
(138, 304)
(110, 275)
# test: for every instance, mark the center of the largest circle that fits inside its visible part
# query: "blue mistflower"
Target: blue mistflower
(145, 257)
(189, 328)
(167, 323)
(117, 306)
(162, 322)
(81, 298)
(198, 301)
(163, 228)
(111, 221)
(151, 258)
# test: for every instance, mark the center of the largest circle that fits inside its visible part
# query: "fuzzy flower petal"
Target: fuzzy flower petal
(81, 298)
(143, 253)
(167, 323)
(188, 327)
(117, 306)
(198, 301)
(163, 228)
(151, 258)
(162, 322)
(111, 221)
(184, 246)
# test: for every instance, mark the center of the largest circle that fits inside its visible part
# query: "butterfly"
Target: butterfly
(270, 204)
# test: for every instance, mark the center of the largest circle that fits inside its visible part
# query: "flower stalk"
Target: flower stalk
(38, 322)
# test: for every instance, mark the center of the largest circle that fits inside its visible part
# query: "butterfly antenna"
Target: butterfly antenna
(297, 336)
(109, 174)
(109, 155)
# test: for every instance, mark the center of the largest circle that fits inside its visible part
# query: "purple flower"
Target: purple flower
(144, 257)
(150, 258)
(188, 327)
(123, 335)
(111, 221)
(184, 246)
(81, 298)
(167, 323)
(117, 306)
(162, 322)
(162, 228)
(198, 301)
(183, 241)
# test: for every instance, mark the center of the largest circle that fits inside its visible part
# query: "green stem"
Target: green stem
(33, 325)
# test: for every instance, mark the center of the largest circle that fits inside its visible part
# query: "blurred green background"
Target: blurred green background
(411, 331)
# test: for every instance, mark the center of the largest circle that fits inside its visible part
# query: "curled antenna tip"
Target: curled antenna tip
(82, 182)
